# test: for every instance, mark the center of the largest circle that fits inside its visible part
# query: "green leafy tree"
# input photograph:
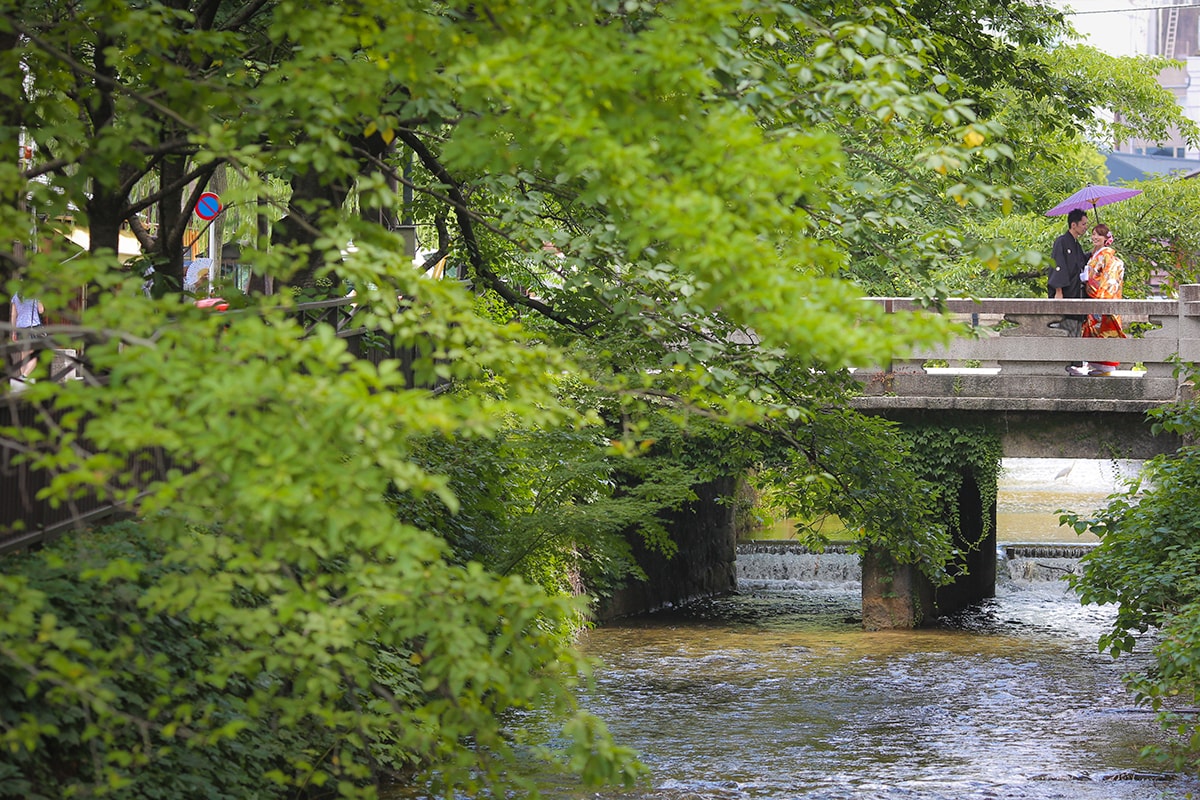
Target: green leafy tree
(664, 217)
(1146, 564)
(327, 610)
(958, 130)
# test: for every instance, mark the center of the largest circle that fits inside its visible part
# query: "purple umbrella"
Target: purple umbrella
(1091, 196)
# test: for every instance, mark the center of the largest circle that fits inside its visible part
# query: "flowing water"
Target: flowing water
(777, 693)
(1033, 490)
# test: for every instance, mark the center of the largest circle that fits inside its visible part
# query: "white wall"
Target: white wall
(1120, 31)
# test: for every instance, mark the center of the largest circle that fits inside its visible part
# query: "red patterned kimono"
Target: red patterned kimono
(1106, 276)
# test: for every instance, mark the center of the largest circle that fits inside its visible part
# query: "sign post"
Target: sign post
(207, 209)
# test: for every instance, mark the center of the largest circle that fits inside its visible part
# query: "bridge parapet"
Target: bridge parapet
(1014, 351)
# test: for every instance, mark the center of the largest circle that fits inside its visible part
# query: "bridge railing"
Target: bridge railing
(1013, 353)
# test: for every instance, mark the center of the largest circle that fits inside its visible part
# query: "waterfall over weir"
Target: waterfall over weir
(1037, 562)
(769, 561)
(791, 562)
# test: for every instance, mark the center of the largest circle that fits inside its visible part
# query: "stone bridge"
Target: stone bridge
(1007, 371)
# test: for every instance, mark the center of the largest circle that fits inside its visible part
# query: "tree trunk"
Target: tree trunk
(296, 228)
(260, 283)
(168, 261)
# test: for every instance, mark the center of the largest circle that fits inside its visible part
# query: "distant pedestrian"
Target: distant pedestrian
(1063, 279)
(25, 317)
(1105, 276)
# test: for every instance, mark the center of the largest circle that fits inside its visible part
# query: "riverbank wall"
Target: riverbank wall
(704, 566)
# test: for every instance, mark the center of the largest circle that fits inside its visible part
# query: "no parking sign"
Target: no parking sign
(208, 206)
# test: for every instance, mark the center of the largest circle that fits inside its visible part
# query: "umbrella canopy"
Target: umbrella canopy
(1090, 196)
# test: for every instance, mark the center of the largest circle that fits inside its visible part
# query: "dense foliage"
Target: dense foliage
(947, 456)
(139, 685)
(663, 218)
(1148, 564)
(926, 461)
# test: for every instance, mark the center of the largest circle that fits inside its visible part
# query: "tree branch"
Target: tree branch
(466, 222)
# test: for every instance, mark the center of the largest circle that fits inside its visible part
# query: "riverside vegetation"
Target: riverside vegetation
(351, 579)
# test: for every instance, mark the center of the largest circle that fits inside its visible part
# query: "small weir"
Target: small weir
(761, 561)
(1039, 561)
(793, 562)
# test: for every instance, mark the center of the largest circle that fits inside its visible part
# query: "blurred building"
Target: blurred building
(1149, 27)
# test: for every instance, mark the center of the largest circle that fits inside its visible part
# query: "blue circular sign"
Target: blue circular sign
(208, 206)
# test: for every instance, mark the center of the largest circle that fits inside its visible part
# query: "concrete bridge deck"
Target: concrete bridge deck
(1008, 370)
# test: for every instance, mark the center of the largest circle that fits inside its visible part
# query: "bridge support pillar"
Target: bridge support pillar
(899, 596)
(705, 566)
(894, 596)
(975, 540)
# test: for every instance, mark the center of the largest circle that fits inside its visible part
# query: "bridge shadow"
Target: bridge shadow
(975, 542)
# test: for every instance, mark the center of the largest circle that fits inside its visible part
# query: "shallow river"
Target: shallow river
(1032, 490)
(777, 692)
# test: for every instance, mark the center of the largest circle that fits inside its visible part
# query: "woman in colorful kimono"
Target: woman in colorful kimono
(1105, 277)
